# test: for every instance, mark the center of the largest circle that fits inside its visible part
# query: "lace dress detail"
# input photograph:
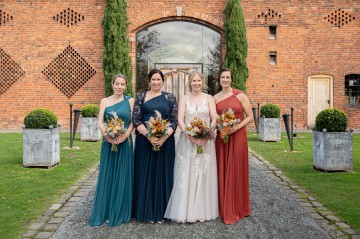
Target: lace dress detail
(138, 109)
(194, 196)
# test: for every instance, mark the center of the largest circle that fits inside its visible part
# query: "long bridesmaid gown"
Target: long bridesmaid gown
(153, 171)
(113, 197)
(233, 167)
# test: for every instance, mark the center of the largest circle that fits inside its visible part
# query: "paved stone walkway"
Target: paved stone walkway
(280, 209)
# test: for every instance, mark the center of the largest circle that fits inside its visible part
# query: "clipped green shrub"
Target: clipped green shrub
(90, 110)
(333, 120)
(40, 119)
(270, 111)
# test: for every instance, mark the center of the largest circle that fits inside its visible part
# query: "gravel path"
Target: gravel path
(275, 214)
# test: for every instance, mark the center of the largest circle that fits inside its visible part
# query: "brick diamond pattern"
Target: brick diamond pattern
(68, 17)
(10, 72)
(270, 13)
(69, 71)
(339, 18)
(5, 18)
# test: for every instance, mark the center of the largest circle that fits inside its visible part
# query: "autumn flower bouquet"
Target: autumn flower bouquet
(157, 128)
(225, 122)
(198, 129)
(114, 127)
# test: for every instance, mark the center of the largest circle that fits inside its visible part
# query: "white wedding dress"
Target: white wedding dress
(194, 196)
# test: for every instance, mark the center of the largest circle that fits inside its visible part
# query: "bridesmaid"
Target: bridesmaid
(153, 174)
(232, 157)
(113, 197)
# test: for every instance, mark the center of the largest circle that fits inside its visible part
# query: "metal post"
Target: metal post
(286, 122)
(258, 117)
(77, 113)
(292, 129)
(71, 104)
(254, 114)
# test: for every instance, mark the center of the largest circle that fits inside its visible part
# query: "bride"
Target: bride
(195, 192)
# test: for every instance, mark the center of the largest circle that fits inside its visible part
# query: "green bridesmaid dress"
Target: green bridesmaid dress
(114, 190)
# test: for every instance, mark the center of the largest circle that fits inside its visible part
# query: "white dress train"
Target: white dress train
(195, 192)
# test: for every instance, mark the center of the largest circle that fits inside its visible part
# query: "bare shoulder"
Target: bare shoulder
(104, 101)
(182, 98)
(210, 98)
(242, 97)
(131, 100)
(216, 97)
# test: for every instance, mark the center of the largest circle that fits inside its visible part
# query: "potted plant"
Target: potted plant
(269, 125)
(41, 139)
(332, 144)
(89, 129)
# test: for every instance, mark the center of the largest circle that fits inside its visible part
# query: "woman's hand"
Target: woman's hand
(109, 139)
(198, 142)
(233, 129)
(121, 138)
(158, 141)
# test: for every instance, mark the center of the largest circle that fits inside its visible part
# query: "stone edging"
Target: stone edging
(51, 219)
(324, 217)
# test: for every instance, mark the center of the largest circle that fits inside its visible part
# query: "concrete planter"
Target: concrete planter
(89, 130)
(41, 147)
(269, 129)
(332, 151)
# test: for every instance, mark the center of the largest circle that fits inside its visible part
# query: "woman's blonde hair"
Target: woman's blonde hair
(191, 77)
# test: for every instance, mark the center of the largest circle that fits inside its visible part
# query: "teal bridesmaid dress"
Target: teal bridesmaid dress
(114, 190)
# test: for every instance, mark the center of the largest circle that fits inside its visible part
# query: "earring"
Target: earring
(149, 87)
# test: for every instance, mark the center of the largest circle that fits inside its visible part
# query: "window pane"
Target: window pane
(178, 42)
(352, 88)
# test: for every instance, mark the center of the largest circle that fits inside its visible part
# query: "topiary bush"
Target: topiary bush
(270, 111)
(90, 110)
(333, 120)
(40, 119)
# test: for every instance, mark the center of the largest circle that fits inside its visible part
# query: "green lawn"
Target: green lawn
(339, 192)
(25, 193)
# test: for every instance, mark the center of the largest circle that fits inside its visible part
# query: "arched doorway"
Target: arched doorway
(178, 48)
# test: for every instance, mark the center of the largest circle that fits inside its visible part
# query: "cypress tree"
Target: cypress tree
(116, 57)
(236, 44)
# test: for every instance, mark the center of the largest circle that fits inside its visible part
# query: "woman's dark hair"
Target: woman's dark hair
(224, 70)
(119, 76)
(154, 71)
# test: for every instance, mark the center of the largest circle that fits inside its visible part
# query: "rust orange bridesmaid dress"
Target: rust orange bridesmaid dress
(233, 167)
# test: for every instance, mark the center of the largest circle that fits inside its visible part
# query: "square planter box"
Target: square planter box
(41, 147)
(332, 151)
(89, 130)
(269, 129)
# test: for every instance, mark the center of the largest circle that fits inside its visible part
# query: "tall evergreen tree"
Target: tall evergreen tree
(116, 57)
(236, 43)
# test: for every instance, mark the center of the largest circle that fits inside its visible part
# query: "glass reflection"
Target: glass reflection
(179, 47)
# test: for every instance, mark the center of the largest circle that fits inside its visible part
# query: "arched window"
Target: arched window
(177, 48)
(352, 88)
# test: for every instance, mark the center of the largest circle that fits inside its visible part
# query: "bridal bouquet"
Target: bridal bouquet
(197, 129)
(114, 127)
(225, 122)
(157, 128)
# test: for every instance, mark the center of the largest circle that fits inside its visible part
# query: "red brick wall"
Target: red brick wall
(33, 39)
(306, 45)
